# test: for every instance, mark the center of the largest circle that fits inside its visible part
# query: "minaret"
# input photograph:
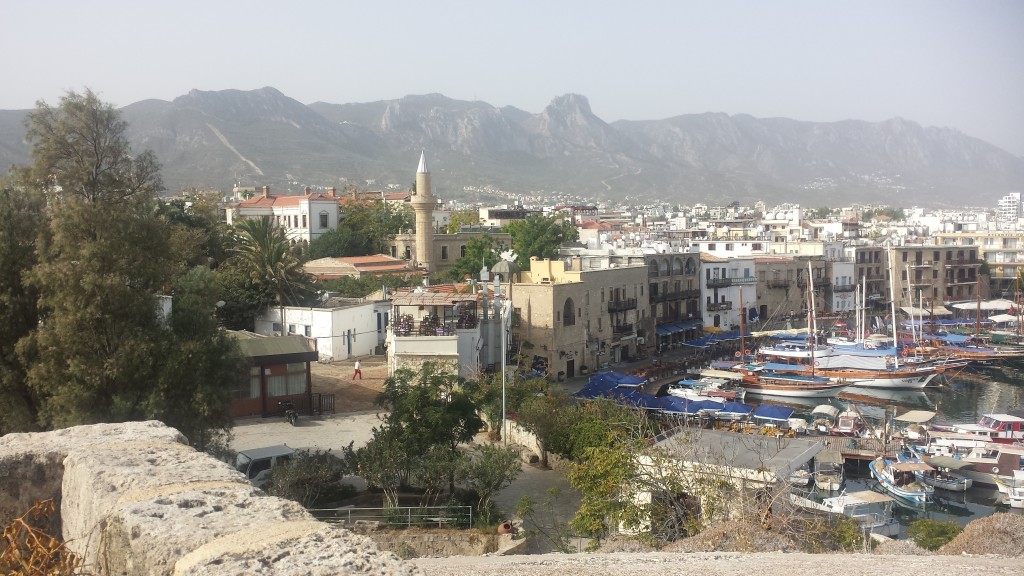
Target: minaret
(423, 203)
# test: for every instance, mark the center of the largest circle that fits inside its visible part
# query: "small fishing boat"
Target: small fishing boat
(941, 475)
(899, 479)
(849, 422)
(828, 471)
(823, 418)
(707, 388)
(1012, 489)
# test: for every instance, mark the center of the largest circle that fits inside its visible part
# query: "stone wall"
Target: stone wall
(135, 500)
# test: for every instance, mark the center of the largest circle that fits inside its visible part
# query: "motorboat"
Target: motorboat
(871, 510)
(829, 475)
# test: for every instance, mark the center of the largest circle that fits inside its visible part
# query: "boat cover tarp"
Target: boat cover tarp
(919, 312)
(948, 462)
(688, 406)
(1001, 318)
(911, 467)
(619, 378)
(774, 412)
(916, 416)
(712, 373)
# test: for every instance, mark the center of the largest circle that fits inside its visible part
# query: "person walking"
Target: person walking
(357, 372)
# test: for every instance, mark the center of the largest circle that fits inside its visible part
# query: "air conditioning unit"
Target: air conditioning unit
(640, 341)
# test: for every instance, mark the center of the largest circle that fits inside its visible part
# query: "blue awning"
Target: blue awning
(773, 412)
(662, 330)
(736, 408)
(691, 324)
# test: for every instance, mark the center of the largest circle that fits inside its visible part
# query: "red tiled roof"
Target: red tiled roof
(290, 200)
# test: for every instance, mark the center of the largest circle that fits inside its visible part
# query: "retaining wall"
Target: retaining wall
(134, 499)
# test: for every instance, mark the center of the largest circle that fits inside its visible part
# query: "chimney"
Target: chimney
(266, 191)
(330, 191)
(307, 190)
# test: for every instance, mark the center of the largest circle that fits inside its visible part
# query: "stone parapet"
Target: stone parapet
(134, 499)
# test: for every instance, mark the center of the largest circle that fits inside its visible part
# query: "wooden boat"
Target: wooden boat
(757, 380)
(899, 479)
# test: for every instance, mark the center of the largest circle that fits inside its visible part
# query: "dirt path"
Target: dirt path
(350, 395)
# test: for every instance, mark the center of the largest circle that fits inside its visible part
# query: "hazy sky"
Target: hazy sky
(938, 62)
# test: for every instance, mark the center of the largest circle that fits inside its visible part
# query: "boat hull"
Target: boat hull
(911, 493)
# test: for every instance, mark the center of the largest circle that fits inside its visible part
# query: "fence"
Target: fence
(323, 403)
(404, 516)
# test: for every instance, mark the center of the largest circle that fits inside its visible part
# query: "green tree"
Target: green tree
(460, 218)
(200, 366)
(540, 236)
(489, 470)
(310, 478)
(21, 219)
(479, 252)
(103, 259)
(263, 253)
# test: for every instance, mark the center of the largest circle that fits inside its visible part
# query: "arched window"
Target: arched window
(568, 313)
(677, 266)
(652, 268)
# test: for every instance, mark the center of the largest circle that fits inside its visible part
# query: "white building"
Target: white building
(844, 282)
(340, 331)
(303, 218)
(722, 281)
(1009, 209)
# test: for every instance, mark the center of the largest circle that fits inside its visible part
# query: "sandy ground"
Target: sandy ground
(719, 564)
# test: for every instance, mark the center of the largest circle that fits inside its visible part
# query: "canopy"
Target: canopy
(922, 312)
(736, 408)
(869, 497)
(911, 467)
(916, 416)
(721, 374)
(1001, 318)
(948, 463)
(688, 406)
(999, 304)
(826, 409)
(773, 412)
(829, 456)
(619, 378)
(596, 388)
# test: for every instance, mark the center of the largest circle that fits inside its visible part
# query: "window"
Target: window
(308, 331)
(304, 221)
(444, 252)
(462, 251)
(324, 220)
(291, 329)
(250, 389)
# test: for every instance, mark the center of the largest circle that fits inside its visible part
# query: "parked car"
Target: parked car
(257, 462)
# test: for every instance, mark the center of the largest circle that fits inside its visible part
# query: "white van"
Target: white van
(256, 463)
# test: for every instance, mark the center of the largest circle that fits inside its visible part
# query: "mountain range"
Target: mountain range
(262, 137)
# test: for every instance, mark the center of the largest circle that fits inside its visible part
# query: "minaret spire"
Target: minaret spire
(423, 164)
(424, 203)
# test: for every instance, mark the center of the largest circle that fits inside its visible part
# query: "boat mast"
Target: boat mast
(812, 318)
(910, 297)
(743, 324)
(977, 316)
(892, 307)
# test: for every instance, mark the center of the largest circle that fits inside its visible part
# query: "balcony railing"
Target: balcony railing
(429, 326)
(719, 282)
(844, 287)
(622, 329)
(718, 306)
(921, 264)
(622, 305)
(744, 280)
(778, 283)
(692, 293)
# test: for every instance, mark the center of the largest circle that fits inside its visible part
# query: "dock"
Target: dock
(861, 448)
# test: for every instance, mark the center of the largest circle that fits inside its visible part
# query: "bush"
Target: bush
(310, 478)
(932, 534)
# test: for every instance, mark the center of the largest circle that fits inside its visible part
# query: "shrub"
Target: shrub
(932, 534)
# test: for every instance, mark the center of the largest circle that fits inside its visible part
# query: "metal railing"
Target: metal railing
(622, 305)
(403, 516)
(778, 283)
(717, 306)
(622, 329)
(719, 282)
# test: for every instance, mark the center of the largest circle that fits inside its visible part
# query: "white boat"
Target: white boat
(1003, 428)
(757, 380)
(989, 461)
(899, 479)
(707, 388)
(947, 475)
(823, 418)
(1012, 489)
(849, 422)
(871, 510)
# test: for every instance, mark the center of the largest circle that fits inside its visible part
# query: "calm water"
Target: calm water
(958, 399)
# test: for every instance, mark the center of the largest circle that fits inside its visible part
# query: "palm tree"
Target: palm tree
(265, 254)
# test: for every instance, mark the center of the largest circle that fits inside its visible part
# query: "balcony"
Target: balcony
(844, 287)
(622, 305)
(719, 306)
(622, 329)
(819, 283)
(744, 280)
(690, 294)
(778, 283)
(719, 282)
(958, 281)
(921, 264)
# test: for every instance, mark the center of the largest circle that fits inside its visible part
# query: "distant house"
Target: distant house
(304, 218)
(279, 369)
(339, 329)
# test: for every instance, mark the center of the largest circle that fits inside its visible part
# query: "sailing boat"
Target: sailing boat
(763, 380)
